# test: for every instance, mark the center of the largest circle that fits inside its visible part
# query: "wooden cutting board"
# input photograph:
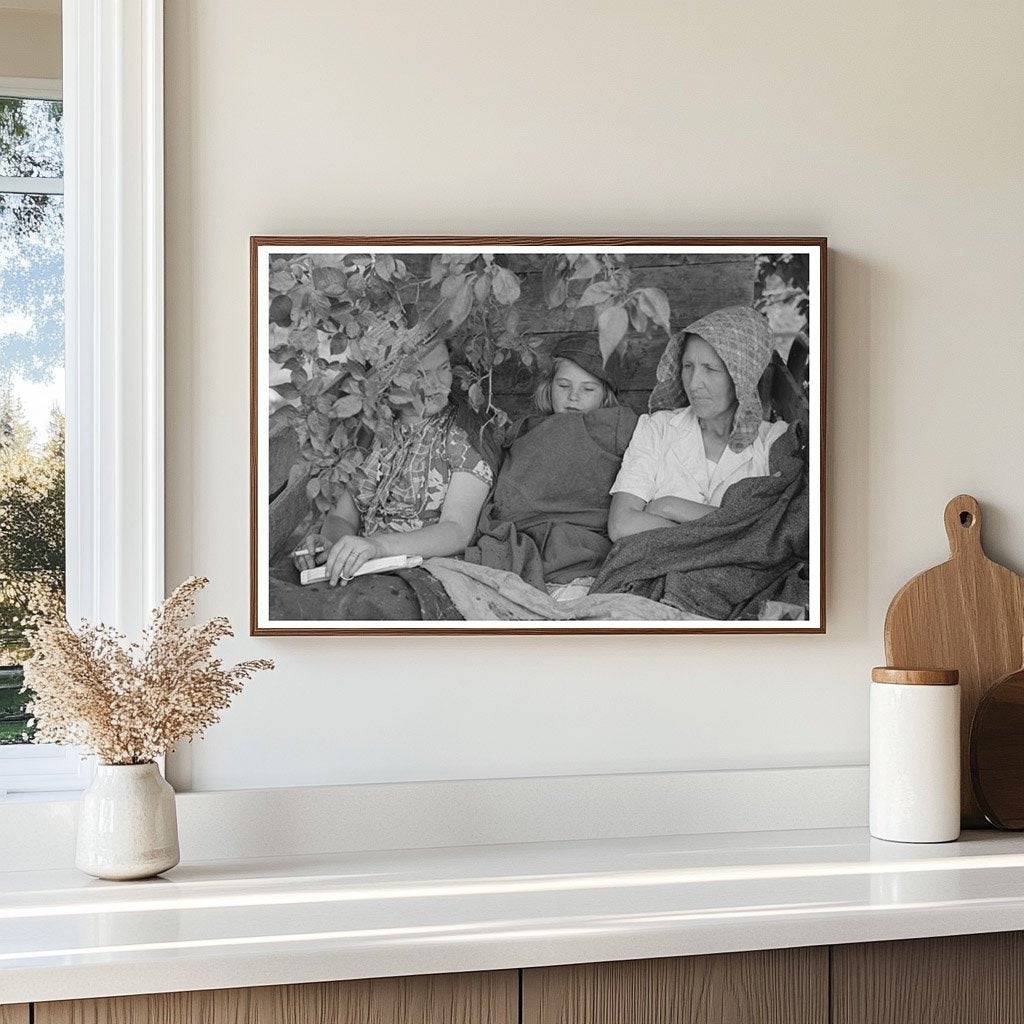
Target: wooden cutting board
(967, 614)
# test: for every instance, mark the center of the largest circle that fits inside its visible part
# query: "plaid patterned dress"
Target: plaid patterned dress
(405, 478)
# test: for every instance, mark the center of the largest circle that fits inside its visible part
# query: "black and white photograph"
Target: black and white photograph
(537, 435)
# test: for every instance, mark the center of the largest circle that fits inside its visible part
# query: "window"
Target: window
(109, 209)
(32, 565)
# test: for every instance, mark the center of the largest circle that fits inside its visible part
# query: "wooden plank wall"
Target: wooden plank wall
(695, 285)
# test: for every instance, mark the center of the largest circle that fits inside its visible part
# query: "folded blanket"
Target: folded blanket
(547, 520)
(483, 593)
(728, 565)
(407, 595)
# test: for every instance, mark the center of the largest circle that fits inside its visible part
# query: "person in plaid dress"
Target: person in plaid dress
(421, 490)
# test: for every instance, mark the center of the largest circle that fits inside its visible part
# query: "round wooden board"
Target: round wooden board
(997, 752)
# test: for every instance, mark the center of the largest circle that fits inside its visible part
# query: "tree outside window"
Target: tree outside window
(31, 387)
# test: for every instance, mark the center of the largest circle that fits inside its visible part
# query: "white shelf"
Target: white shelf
(351, 915)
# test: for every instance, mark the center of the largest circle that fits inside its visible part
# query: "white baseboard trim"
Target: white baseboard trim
(233, 824)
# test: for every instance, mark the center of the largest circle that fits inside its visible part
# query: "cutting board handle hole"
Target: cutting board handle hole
(962, 518)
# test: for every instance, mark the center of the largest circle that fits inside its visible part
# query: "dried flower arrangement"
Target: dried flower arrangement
(130, 703)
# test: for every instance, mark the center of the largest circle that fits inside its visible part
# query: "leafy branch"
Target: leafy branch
(348, 331)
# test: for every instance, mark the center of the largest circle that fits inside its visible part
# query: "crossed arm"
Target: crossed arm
(631, 514)
(450, 535)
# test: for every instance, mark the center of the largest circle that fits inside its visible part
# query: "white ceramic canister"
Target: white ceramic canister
(915, 755)
(127, 824)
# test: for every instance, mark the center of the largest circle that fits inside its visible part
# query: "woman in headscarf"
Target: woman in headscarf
(707, 427)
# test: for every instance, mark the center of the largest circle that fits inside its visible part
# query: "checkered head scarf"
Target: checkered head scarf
(743, 340)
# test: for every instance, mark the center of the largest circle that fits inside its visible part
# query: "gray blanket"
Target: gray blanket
(548, 517)
(752, 550)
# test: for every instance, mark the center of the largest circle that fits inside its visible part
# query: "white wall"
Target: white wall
(895, 129)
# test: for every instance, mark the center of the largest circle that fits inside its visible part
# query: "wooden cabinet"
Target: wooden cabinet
(483, 998)
(962, 979)
(775, 986)
(969, 979)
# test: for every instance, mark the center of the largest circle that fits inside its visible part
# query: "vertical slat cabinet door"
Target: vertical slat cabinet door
(777, 986)
(959, 979)
(14, 1013)
(480, 998)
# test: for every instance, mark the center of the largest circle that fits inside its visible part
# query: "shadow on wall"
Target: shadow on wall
(855, 289)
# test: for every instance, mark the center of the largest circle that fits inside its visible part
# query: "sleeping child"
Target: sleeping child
(547, 518)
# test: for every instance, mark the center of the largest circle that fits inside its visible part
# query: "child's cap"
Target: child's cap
(582, 348)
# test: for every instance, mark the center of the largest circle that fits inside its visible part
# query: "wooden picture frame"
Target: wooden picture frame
(689, 258)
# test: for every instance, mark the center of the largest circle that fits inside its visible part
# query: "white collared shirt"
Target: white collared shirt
(666, 457)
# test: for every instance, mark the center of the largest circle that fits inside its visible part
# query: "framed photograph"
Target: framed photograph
(537, 435)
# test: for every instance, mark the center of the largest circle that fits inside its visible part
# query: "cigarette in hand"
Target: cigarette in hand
(318, 550)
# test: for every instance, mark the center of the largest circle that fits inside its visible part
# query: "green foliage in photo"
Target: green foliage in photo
(347, 333)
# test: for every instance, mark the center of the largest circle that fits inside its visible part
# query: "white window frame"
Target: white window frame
(32, 88)
(114, 325)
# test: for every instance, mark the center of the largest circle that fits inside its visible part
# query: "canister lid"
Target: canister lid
(916, 676)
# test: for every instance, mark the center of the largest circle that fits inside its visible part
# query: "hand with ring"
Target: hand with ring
(347, 555)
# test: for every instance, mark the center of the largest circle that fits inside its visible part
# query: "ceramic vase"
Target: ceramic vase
(127, 825)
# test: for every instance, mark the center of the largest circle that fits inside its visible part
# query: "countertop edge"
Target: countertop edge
(441, 911)
(555, 944)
